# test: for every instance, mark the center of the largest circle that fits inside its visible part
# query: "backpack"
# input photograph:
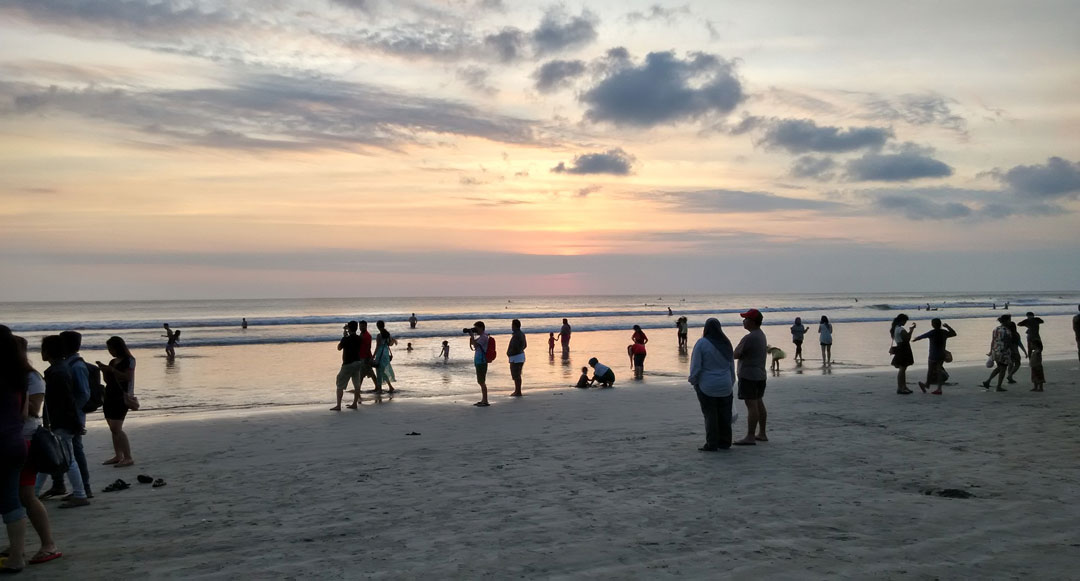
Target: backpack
(97, 390)
(490, 355)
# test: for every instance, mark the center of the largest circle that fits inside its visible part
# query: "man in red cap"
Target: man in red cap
(751, 353)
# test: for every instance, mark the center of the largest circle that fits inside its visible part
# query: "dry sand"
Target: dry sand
(599, 484)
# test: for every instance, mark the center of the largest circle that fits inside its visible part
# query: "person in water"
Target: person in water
(445, 353)
(173, 339)
(798, 332)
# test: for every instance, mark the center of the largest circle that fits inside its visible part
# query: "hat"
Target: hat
(751, 314)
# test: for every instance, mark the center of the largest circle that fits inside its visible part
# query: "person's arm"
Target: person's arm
(81, 384)
(1020, 344)
(950, 330)
(645, 338)
(695, 367)
(34, 405)
(341, 344)
(739, 347)
(923, 336)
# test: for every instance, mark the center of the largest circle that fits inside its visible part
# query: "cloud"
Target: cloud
(737, 201)
(949, 203)
(804, 135)
(266, 112)
(558, 32)
(614, 162)
(664, 89)
(1058, 178)
(508, 44)
(919, 208)
(476, 78)
(658, 12)
(584, 192)
(917, 109)
(557, 74)
(896, 167)
(818, 168)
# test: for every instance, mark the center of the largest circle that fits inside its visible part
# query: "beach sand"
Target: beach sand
(599, 484)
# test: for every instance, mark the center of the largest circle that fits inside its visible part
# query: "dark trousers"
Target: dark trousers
(80, 460)
(717, 412)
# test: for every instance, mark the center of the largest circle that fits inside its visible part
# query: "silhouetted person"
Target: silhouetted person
(412, 321)
(1032, 324)
(515, 352)
(902, 355)
(798, 332)
(935, 361)
(349, 345)
(751, 353)
(564, 336)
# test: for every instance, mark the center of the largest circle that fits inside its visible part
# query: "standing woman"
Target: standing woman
(384, 372)
(119, 388)
(13, 415)
(902, 356)
(712, 373)
(798, 331)
(639, 335)
(39, 517)
(824, 330)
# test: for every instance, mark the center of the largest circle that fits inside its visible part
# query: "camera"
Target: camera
(470, 330)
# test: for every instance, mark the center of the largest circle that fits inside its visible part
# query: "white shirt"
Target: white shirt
(600, 370)
(34, 385)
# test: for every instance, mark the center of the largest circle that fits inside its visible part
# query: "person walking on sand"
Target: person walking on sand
(412, 321)
(901, 352)
(39, 517)
(119, 375)
(62, 418)
(515, 352)
(938, 338)
(712, 374)
(13, 449)
(751, 353)
(367, 364)
(1016, 346)
(478, 342)
(798, 332)
(384, 370)
(564, 336)
(683, 330)
(349, 345)
(1076, 331)
(825, 337)
(1000, 352)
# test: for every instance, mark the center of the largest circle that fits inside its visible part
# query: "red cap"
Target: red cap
(751, 314)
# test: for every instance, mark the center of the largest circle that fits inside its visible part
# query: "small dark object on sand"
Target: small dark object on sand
(413, 434)
(948, 493)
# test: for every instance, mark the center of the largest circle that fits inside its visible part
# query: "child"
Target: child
(445, 353)
(551, 344)
(777, 354)
(602, 374)
(583, 381)
(1037, 376)
(408, 346)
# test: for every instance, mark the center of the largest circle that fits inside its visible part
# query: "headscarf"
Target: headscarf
(715, 335)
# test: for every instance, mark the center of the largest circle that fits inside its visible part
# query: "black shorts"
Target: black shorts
(797, 343)
(481, 372)
(751, 388)
(639, 359)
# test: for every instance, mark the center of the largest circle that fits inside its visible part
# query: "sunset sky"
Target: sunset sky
(272, 148)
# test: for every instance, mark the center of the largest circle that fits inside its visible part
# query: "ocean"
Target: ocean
(287, 356)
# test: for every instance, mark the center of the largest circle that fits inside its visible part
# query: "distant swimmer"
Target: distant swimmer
(445, 353)
(669, 313)
(408, 346)
(243, 323)
(412, 321)
(173, 339)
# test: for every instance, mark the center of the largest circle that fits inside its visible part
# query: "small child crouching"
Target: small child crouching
(777, 354)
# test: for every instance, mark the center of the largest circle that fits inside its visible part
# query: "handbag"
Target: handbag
(948, 356)
(131, 402)
(990, 362)
(47, 452)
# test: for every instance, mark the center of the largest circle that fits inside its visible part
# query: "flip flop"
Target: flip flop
(41, 557)
(159, 483)
(144, 479)
(118, 485)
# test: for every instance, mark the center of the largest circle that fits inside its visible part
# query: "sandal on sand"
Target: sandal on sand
(481, 404)
(144, 479)
(124, 464)
(118, 485)
(159, 483)
(45, 557)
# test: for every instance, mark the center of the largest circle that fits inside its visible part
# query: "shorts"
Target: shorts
(481, 372)
(639, 359)
(751, 388)
(797, 342)
(28, 476)
(515, 371)
(608, 377)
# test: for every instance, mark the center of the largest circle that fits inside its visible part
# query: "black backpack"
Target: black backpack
(97, 390)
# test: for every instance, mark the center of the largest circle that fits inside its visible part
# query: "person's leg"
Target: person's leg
(828, 349)
(901, 380)
(1014, 366)
(481, 379)
(14, 516)
(709, 412)
(39, 517)
(762, 416)
(823, 358)
(80, 460)
(1001, 371)
(515, 373)
(78, 491)
(114, 433)
(751, 421)
(120, 442)
(340, 382)
(724, 413)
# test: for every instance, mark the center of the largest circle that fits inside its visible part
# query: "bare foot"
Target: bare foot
(124, 463)
(336, 408)
(761, 438)
(112, 460)
(747, 441)
(351, 406)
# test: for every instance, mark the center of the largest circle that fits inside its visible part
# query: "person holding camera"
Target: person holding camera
(350, 364)
(478, 342)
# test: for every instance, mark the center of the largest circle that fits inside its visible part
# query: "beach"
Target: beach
(568, 483)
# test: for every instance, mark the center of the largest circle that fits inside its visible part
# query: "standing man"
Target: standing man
(478, 341)
(936, 358)
(412, 321)
(350, 365)
(80, 372)
(751, 353)
(564, 336)
(1032, 323)
(515, 352)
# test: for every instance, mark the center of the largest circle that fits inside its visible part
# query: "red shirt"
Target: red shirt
(365, 345)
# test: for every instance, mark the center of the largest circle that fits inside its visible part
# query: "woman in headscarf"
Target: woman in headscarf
(712, 373)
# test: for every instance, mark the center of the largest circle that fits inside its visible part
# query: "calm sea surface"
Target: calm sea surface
(287, 356)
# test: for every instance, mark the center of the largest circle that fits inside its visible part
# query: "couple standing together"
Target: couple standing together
(483, 347)
(358, 362)
(713, 373)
